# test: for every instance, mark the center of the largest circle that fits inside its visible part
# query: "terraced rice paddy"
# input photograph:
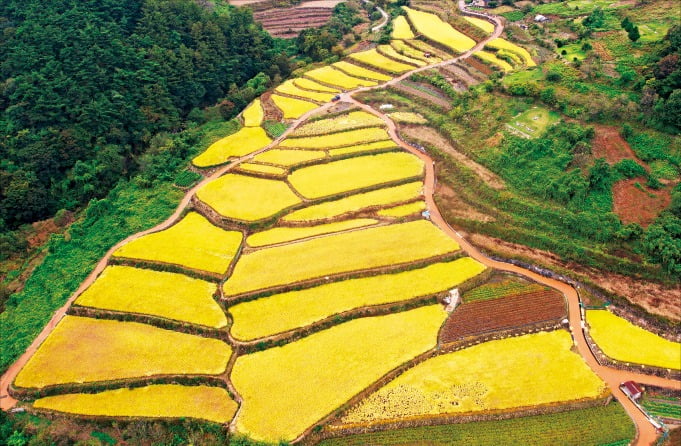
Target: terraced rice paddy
(361, 72)
(401, 29)
(409, 51)
(253, 114)
(292, 108)
(350, 121)
(390, 52)
(287, 389)
(286, 234)
(287, 158)
(263, 169)
(403, 210)
(82, 350)
(330, 76)
(287, 311)
(623, 341)
(163, 294)
(202, 402)
(245, 141)
(290, 88)
(480, 23)
(487, 376)
(337, 253)
(408, 118)
(494, 60)
(374, 59)
(247, 198)
(434, 29)
(339, 139)
(369, 147)
(503, 44)
(308, 84)
(193, 242)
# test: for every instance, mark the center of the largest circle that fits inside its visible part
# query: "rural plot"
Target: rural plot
(492, 59)
(434, 29)
(309, 84)
(83, 350)
(291, 89)
(401, 29)
(390, 52)
(403, 210)
(263, 169)
(502, 44)
(357, 71)
(377, 60)
(253, 114)
(193, 242)
(286, 158)
(287, 234)
(340, 139)
(243, 142)
(168, 295)
(368, 147)
(480, 23)
(287, 389)
(489, 376)
(292, 108)
(329, 75)
(349, 121)
(533, 122)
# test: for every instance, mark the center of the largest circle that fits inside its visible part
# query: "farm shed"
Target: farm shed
(631, 389)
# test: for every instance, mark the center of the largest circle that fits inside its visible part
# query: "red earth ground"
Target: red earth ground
(639, 204)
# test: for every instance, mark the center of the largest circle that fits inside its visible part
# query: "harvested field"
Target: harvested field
(476, 318)
(287, 158)
(287, 234)
(478, 65)
(609, 144)
(503, 288)
(634, 202)
(456, 72)
(437, 99)
(243, 142)
(350, 121)
(340, 139)
(286, 23)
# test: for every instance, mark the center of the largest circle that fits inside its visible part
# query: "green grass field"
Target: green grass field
(533, 122)
(575, 7)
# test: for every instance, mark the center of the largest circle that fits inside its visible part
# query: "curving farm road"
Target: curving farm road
(646, 434)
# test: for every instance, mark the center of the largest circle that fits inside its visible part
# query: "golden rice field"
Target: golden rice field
(287, 311)
(292, 108)
(337, 253)
(308, 84)
(390, 52)
(287, 234)
(624, 341)
(370, 147)
(500, 43)
(374, 59)
(287, 389)
(516, 59)
(423, 46)
(351, 174)
(480, 23)
(247, 198)
(433, 28)
(168, 295)
(263, 169)
(193, 242)
(380, 197)
(246, 140)
(408, 118)
(401, 29)
(489, 376)
(331, 76)
(340, 139)
(357, 71)
(403, 210)
(404, 49)
(154, 401)
(290, 88)
(82, 349)
(348, 121)
(287, 158)
(493, 59)
(253, 114)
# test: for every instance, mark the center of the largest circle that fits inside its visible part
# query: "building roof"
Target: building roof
(632, 388)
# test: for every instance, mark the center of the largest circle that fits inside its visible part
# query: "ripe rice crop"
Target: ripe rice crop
(309, 84)
(192, 242)
(624, 341)
(350, 174)
(390, 52)
(380, 197)
(349, 121)
(403, 210)
(288, 157)
(262, 168)
(516, 59)
(287, 389)
(493, 59)
(340, 139)
(423, 46)
(370, 147)
(286, 311)
(154, 401)
(292, 108)
(338, 253)
(328, 75)
(500, 43)
(488, 376)
(247, 198)
(357, 71)
(409, 51)
(433, 28)
(169, 295)
(82, 349)
(401, 29)
(289, 88)
(246, 140)
(480, 23)
(253, 114)
(287, 234)
(373, 58)
(408, 118)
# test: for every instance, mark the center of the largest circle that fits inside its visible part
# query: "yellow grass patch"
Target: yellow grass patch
(82, 349)
(499, 44)
(246, 140)
(489, 376)
(287, 389)
(329, 75)
(401, 29)
(480, 23)
(287, 234)
(357, 71)
(340, 139)
(253, 114)
(288, 157)
(408, 118)
(433, 28)
(358, 202)
(290, 88)
(373, 58)
(624, 341)
(393, 54)
(247, 198)
(493, 59)
(370, 147)
(169, 295)
(262, 168)
(192, 242)
(349, 121)
(338, 253)
(403, 210)
(287, 311)
(154, 401)
(292, 108)
(323, 180)
(309, 84)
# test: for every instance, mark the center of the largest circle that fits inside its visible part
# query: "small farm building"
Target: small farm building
(631, 389)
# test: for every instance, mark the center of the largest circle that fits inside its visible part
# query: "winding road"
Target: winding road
(646, 433)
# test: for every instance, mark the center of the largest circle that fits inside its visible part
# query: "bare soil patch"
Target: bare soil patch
(609, 144)
(320, 4)
(288, 22)
(455, 207)
(639, 204)
(413, 92)
(481, 67)
(602, 51)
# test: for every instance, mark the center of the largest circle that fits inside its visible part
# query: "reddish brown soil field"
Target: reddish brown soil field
(481, 67)
(609, 144)
(486, 316)
(288, 22)
(634, 205)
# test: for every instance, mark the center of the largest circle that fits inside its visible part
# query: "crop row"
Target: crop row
(349, 121)
(504, 288)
